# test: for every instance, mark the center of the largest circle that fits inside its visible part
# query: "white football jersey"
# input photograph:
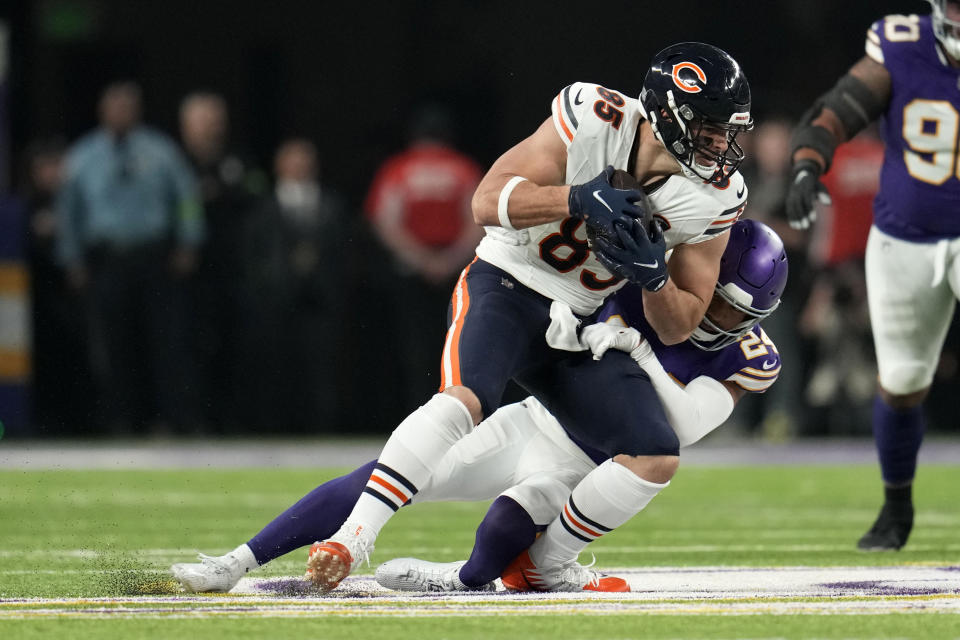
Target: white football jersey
(598, 127)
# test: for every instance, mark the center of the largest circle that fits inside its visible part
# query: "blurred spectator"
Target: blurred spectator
(419, 207)
(779, 413)
(294, 255)
(131, 225)
(835, 321)
(230, 186)
(62, 397)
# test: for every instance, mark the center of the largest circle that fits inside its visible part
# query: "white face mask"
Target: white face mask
(299, 200)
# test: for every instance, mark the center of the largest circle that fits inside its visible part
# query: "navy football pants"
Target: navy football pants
(497, 333)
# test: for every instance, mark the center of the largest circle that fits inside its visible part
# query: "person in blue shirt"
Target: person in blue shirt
(131, 225)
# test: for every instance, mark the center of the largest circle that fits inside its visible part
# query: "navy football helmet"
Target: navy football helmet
(690, 86)
(946, 30)
(753, 274)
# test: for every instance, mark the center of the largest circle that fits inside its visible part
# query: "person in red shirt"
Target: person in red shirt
(853, 184)
(419, 208)
(835, 320)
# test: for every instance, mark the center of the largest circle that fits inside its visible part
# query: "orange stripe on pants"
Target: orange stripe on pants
(450, 361)
(563, 124)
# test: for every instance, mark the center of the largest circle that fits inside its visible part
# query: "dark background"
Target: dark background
(348, 74)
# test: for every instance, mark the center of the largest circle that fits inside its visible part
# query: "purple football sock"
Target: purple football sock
(505, 532)
(898, 434)
(316, 516)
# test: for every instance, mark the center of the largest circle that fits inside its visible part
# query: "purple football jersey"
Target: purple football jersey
(752, 362)
(919, 197)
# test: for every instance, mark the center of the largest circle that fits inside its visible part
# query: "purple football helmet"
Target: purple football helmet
(753, 273)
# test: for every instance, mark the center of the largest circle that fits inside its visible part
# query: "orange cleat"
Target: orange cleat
(523, 575)
(330, 561)
(328, 564)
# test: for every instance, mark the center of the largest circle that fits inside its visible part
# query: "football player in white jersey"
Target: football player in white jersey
(525, 459)
(537, 202)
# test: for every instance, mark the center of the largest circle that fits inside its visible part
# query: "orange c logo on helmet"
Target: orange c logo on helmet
(689, 85)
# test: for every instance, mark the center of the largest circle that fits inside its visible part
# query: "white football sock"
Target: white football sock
(244, 555)
(408, 459)
(607, 497)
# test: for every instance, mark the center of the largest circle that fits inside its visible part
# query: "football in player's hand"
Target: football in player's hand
(623, 180)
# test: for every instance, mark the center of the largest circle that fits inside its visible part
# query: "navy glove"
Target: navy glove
(805, 190)
(641, 258)
(600, 204)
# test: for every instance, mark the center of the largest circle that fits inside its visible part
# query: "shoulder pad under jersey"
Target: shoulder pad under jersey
(758, 360)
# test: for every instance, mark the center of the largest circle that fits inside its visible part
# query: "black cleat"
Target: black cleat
(891, 530)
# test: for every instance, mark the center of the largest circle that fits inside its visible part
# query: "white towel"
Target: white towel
(562, 332)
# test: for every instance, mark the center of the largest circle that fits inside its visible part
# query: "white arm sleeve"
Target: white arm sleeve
(694, 410)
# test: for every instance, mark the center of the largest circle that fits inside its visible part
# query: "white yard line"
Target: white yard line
(671, 591)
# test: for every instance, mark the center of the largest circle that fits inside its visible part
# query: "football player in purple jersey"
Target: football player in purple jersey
(910, 76)
(530, 463)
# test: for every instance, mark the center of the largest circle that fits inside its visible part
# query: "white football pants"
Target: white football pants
(520, 452)
(912, 289)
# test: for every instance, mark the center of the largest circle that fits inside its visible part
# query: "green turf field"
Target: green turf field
(73, 535)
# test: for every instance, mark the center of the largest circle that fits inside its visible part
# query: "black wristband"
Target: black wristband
(817, 138)
(807, 164)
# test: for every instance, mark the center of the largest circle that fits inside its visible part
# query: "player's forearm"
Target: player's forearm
(693, 411)
(829, 121)
(672, 312)
(527, 205)
(857, 99)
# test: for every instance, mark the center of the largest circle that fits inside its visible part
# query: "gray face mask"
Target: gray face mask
(300, 201)
(946, 30)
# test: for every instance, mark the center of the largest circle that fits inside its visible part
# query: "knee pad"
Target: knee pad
(542, 496)
(906, 378)
(432, 429)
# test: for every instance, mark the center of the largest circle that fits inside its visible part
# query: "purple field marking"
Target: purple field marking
(881, 589)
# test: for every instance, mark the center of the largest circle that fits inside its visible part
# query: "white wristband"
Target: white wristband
(502, 213)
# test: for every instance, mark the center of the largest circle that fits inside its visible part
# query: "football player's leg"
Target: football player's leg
(550, 467)
(606, 498)
(611, 408)
(492, 328)
(505, 531)
(482, 464)
(520, 451)
(315, 516)
(911, 303)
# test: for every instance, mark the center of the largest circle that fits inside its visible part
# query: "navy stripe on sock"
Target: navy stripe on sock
(579, 514)
(570, 530)
(385, 500)
(396, 476)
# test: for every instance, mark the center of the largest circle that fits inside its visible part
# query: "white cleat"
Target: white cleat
(412, 574)
(218, 574)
